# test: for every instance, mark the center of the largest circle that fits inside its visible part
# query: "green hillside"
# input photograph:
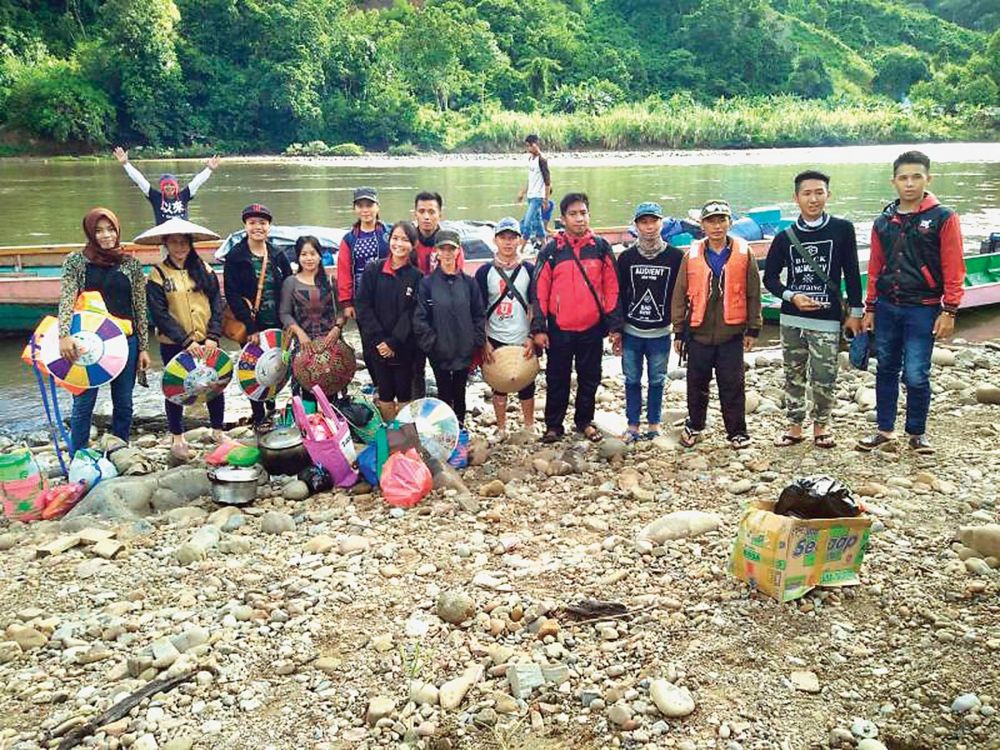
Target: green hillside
(251, 76)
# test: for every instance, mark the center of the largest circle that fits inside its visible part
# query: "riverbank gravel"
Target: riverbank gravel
(334, 623)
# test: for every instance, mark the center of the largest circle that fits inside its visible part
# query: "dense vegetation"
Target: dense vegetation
(266, 75)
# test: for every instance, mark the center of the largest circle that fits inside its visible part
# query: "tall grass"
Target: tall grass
(737, 123)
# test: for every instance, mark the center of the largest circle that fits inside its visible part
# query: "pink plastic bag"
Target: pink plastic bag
(23, 499)
(221, 452)
(327, 438)
(405, 479)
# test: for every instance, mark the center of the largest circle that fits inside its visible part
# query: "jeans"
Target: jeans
(726, 360)
(655, 351)
(121, 401)
(533, 220)
(175, 412)
(586, 347)
(903, 343)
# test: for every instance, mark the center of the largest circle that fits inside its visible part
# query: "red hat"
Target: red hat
(168, 179)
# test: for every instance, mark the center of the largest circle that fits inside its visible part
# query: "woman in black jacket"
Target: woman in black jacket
(450, 322)
(241, 280)
(384, 307)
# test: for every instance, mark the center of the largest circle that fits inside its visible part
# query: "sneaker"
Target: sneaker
(920, 444)
(873, 441)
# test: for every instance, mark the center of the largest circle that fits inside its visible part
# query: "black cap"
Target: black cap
(366, 194)
(259, 210)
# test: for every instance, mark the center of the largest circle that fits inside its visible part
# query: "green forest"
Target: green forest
(188, 77)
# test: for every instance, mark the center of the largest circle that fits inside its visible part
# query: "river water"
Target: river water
(43, 201)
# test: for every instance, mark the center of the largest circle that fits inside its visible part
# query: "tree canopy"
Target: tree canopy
(251, 75)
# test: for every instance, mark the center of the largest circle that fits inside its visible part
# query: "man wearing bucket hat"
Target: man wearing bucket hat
(253, 273)
(186, 306)
(647, 272)
(505, 286)
(716, 309)
(169, 201)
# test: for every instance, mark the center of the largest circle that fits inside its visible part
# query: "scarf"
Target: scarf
(93, 251)
(649, 249)
(577, 243)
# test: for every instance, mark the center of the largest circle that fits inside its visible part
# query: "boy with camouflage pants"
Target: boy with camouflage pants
(815, 253)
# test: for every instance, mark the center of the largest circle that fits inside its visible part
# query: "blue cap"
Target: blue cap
(507, 224)
(648, 209)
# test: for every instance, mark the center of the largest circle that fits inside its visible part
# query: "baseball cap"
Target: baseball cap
(366, 194)
(447, 237)
(507, 224)
(716, 208)
(648, 209)
(257, 209)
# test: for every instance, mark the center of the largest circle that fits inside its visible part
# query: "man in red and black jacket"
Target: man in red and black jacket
(576, 305)
(915, 275)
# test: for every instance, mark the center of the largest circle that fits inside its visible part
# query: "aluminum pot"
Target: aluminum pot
(235, 485)
(282, 451)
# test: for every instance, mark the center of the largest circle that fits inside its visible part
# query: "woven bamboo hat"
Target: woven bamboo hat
(509, 371)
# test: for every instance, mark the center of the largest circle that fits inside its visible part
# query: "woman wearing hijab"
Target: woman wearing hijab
(186, 304)
(102, 266)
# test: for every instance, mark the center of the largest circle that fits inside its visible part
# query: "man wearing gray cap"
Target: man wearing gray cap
(505, 285)
(716, 309)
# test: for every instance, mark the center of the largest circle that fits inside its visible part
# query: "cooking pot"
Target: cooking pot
(282, 451)
(234, 485)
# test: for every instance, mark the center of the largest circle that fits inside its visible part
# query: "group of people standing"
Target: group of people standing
(406, 287)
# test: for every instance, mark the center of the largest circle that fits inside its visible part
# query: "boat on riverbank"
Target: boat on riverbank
(30, 274)
(982, 285)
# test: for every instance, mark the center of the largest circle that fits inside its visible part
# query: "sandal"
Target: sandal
(872, 442)
(788, 440)
(592, 434)
(631, 436)
(689, 437)
(824, 440)
(920, 444)
(551, 436)
(739, 442)
(651, 434)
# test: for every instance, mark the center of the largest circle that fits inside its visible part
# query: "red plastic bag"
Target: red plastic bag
(405, 479)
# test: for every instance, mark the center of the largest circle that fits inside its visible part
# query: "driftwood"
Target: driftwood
(122, 707)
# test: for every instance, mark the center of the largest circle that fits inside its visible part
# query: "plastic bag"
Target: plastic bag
(368, 464)
(459, 458)
(90, 467)
(221, 452)
(60, 500)
(317, 479)
(405, 479)
(817, 497)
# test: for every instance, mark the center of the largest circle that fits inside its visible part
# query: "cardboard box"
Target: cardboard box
(787, 557)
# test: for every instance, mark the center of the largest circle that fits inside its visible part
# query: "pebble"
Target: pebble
(805, 681)
(453, 692)
(965, 703)
(455, 607)
(680, 524)
(672, 701)
(378, 708)
(296, 490)
(276, 522)
(870, 744)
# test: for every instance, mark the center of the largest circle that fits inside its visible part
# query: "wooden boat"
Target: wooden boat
(982, 285)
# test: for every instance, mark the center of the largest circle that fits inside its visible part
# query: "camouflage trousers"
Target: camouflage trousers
(810, 358)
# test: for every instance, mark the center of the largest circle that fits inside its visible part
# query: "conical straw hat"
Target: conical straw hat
(509, 371)
(156, 235)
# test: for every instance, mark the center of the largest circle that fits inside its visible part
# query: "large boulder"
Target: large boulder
(117, 498)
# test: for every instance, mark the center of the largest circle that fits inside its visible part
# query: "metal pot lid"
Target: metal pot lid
(236, 474)
(280, 438)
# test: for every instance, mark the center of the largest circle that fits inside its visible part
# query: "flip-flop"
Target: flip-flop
(592, 434)
(788, 440)
(824, 441)
(551, 436)
(739, 442)
(689, 438)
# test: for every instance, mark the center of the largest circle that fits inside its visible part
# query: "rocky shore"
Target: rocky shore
(475, 620)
